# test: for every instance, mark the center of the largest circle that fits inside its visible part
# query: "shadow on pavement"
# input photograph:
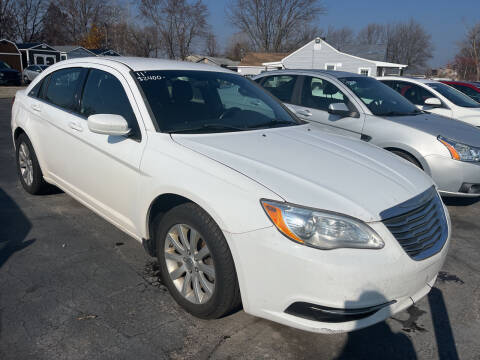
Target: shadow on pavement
(441, 325)
(377, 341)
(14, 227)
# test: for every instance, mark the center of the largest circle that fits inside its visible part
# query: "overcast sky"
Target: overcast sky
(445, 20)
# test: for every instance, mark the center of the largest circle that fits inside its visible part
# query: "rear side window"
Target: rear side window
(36, 89)
(104, 94)
(62, 87)
(475, 95)
(280, 86)
(319, 94)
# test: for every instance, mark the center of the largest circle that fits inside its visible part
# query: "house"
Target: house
(256, 62)
(104, 52)
(38, 54)
(72, 51)
(214, 60)
(357, 58)
(10, 54)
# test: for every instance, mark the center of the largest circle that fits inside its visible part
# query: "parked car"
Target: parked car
(9, 76)
(470, 89)
(31, 72)
(362, 107)
(233, 194)
(437, 98)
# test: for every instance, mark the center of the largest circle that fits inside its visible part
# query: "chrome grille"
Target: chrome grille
(419, 224)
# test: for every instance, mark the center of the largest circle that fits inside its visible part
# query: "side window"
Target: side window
(62, 87)
(475, 95)
(413, 92)
(36, 89)
(319, 94)
(280, 86)
(104, 94)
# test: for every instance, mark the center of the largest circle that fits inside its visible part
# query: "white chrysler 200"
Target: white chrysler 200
(242, 203)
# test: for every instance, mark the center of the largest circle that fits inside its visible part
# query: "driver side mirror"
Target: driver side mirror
(108, 124)
(340, 109)
(433, 102)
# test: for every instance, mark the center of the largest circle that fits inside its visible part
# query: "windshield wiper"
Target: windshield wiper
(396, 113)
(273, 122)
(209, 126)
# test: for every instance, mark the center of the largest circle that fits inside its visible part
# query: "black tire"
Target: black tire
(407, 157)
(226, 294)
(38, 185)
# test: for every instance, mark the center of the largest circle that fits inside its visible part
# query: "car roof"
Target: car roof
(332, 73)
(405, 78)
(143, 64)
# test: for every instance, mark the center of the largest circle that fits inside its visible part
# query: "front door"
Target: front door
(316, 96)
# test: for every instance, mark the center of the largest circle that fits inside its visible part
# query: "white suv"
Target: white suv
(240, 201)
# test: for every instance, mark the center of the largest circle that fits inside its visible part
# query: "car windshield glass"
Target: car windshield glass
(454, 95)
(4, 65)
(207, 101)
(380, 99)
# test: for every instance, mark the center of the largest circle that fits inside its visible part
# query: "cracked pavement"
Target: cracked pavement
(72, 286)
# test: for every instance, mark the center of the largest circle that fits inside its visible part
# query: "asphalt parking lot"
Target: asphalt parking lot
(72, 286)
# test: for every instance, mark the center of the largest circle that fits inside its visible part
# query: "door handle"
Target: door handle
(304, 112)
(75, 126)
(36, 107)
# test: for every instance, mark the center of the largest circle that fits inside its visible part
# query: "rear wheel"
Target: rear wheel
(28, 168)
(195, 262)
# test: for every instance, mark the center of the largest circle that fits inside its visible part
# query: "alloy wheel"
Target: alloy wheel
(25, 163)
(189, 263)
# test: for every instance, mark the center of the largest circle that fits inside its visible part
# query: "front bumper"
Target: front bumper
(275, 273)
(453, 177)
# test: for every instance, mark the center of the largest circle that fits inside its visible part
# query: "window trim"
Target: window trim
(369, 70)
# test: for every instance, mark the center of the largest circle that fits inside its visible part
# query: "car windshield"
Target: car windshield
(207, 101)
(380, 99)
(455, 96)
(4, 65)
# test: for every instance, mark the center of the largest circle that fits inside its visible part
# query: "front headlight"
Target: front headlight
(460, 151)
(321, 229)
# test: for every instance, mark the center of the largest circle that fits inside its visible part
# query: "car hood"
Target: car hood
(306, 166)
(470, 115)
(441, 125)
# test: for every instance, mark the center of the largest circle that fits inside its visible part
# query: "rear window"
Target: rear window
(62, 87)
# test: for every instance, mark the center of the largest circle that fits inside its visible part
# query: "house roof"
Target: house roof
(27, 45)
(220, 60)
(101, 51)
(375, 52)
(258, 58)
(68, 48)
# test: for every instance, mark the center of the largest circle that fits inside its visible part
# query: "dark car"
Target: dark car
(9, 76)
(471, 89)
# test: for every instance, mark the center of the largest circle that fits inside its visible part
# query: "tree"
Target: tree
(273, 25)
(94, 39)
(467, 61)
(372, 34)
(144, 41)
(338, 38)
(28, 19)
(180, 23)
(7, 20)
(238, 45)
(211, 45)
(408, 43)
(53, 29)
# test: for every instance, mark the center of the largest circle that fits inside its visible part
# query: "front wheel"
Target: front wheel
(195, 262)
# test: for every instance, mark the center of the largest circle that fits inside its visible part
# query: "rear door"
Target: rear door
(106, 168)
(315, 97)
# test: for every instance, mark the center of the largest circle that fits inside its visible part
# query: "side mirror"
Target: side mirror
(339, 109)
(108, 124)
(433, 101)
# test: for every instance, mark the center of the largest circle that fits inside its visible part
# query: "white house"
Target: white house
(357, 58)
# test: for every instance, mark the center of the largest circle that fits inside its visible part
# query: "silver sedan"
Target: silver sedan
(31, 72)
(362, 107)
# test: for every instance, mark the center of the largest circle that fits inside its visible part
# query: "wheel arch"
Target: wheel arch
(417, 157)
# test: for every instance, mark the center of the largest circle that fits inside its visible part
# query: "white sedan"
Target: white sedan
(436, 97)
(241, 202)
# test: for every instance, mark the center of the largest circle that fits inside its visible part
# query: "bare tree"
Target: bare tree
(372, 34)
(271, 25)
(144, 42)
(180, 23)
(28, 19)
(7, 20)
(340, 37)
(53, 29)
(467, 61)
(408, 43)
(211, 45)
(238, 45)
